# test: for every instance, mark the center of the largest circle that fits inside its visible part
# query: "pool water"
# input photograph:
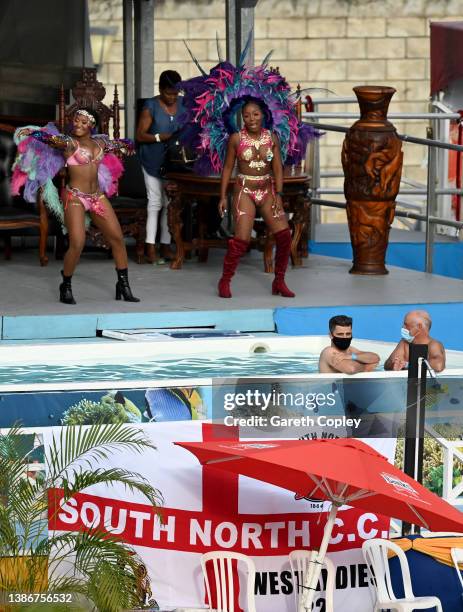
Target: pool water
(191, 366)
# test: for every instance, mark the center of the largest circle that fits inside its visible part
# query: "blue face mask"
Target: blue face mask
(406, 335)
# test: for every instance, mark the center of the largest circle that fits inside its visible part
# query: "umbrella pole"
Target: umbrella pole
(315, 565)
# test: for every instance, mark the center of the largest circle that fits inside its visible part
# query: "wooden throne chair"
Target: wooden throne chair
(130, 203)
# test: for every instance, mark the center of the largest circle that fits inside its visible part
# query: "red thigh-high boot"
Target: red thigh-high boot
(236, 248)
(282, 252)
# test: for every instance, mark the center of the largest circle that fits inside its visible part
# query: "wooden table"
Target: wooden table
(183, 189)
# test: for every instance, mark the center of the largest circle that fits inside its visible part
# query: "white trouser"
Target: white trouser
(157, 201)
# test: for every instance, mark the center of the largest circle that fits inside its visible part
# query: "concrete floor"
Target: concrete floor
(28, 289)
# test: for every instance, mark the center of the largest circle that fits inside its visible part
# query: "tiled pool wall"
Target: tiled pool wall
(370, 322)
(375, 322)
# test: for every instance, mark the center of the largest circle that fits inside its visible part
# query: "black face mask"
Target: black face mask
(341, 343)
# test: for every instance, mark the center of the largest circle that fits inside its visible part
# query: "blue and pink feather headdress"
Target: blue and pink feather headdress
(212, 101)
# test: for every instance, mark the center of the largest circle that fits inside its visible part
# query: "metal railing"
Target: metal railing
(400, 116)
(451, 450)
(430, 190)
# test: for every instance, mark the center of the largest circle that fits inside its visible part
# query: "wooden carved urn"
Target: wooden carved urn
(372, 162)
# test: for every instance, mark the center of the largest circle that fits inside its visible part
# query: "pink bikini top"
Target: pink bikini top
(249, 148)
(82, 157)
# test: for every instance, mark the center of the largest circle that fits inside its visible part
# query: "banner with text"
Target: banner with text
(207, 510)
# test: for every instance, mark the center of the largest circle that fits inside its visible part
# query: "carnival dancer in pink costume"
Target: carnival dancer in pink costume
(271, 136)
(93, 171)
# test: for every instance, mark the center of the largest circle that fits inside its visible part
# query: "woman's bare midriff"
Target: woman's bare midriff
(84, 178)
(244, 168)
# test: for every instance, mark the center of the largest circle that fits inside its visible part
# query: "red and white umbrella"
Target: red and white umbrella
(342, 471)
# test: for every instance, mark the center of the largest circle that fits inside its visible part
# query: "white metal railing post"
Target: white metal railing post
(443, 200)
(451, 450)
(430, 203)
(447, 476)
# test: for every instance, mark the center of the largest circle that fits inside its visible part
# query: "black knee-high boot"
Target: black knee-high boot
(65, 290)
(123, 287)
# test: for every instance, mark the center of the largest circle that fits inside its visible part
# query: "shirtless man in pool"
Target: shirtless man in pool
(340, 356)
(416, 328)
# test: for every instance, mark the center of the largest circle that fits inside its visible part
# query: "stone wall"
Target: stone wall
(332, 44)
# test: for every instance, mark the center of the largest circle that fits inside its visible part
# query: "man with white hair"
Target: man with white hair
(416, 327)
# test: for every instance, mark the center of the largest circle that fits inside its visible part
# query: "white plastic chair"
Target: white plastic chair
(299, 561)
(457, 557)
(375, 553)
(222, 563)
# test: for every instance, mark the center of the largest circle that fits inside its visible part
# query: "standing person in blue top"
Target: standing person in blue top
(158, 121)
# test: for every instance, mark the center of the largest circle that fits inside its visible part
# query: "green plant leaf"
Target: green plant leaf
(103, 573)
(79, 480)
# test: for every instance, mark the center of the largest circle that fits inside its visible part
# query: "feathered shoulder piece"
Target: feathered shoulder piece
(211, 104)
(40, 158)
(111, 168)
(35, 166)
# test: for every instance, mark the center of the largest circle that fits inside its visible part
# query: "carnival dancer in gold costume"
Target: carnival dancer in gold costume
(259, 185)
(272, 135)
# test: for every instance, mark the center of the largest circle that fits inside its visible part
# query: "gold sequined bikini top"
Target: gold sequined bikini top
(250, 149)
